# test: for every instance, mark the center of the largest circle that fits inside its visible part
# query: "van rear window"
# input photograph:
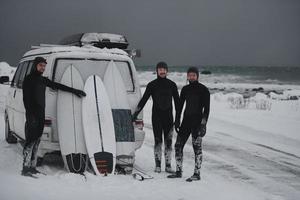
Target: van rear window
(92, 66)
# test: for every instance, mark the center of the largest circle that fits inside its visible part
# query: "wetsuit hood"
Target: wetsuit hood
(36, 61)
(161, 65)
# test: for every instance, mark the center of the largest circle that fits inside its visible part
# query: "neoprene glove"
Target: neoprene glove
(202, 130)
(134, 116)
(79, 93)
(203, 121)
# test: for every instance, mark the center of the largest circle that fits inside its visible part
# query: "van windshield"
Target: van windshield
(91, 67)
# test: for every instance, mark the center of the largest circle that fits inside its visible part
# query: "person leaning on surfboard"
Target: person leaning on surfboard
(162, 91)
(34, 86)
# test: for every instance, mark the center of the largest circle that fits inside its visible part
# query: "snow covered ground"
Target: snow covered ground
(249, 153)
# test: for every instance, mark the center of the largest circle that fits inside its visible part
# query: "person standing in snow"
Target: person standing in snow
(162, 90)
(34, 86)
(197, 99)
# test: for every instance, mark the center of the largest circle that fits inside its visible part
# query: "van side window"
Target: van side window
(22, 74)
(29, 68)
(126, 73)
(17, 75)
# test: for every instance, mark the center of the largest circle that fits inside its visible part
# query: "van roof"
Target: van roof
(85, 49)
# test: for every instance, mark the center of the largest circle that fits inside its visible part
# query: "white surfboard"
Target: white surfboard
(98, 126)
(121, 111)
(69, 123)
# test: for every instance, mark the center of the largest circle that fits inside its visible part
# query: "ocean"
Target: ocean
(240, 74)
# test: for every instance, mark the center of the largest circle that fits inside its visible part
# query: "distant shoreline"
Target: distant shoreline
(236, 74)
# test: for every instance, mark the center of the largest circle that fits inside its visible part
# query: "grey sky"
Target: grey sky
(190, 32)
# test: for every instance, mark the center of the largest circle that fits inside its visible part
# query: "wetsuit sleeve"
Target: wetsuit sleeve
(175, 97)
(182, 99)
(144, 99)
(206, 106)
(57, 86)
(27, 96)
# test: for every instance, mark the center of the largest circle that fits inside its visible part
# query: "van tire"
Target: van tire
(9, 137)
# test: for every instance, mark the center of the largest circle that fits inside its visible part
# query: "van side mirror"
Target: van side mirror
(134, 53)
(138, 53)
(4, 79)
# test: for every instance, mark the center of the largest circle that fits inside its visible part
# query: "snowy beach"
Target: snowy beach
(251, 151)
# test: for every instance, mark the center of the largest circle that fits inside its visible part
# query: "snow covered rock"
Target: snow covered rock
(236, 101)
(7, 70)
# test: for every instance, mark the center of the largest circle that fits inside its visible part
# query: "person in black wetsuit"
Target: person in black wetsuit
(197, 99)
(162, 90)
(34, 86)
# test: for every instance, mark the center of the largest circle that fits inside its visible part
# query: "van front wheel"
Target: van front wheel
(10, 138)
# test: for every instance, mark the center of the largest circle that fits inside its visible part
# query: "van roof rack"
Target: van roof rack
(100, 40)
(48, 45)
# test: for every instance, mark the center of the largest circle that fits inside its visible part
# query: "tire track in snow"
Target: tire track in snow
(273, 171)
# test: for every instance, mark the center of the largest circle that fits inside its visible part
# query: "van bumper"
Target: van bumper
(47, 147)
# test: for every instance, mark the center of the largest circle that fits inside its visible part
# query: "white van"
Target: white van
(88, 60)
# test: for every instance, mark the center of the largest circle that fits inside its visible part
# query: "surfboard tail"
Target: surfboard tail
(76, 162)
(104, 162)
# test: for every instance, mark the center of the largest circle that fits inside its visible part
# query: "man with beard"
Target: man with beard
(197, 99)
(162, 90)
(34, 87)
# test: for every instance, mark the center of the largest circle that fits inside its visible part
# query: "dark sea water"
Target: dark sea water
(253, 74)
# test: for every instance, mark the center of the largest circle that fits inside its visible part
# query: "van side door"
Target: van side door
(10, 101)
